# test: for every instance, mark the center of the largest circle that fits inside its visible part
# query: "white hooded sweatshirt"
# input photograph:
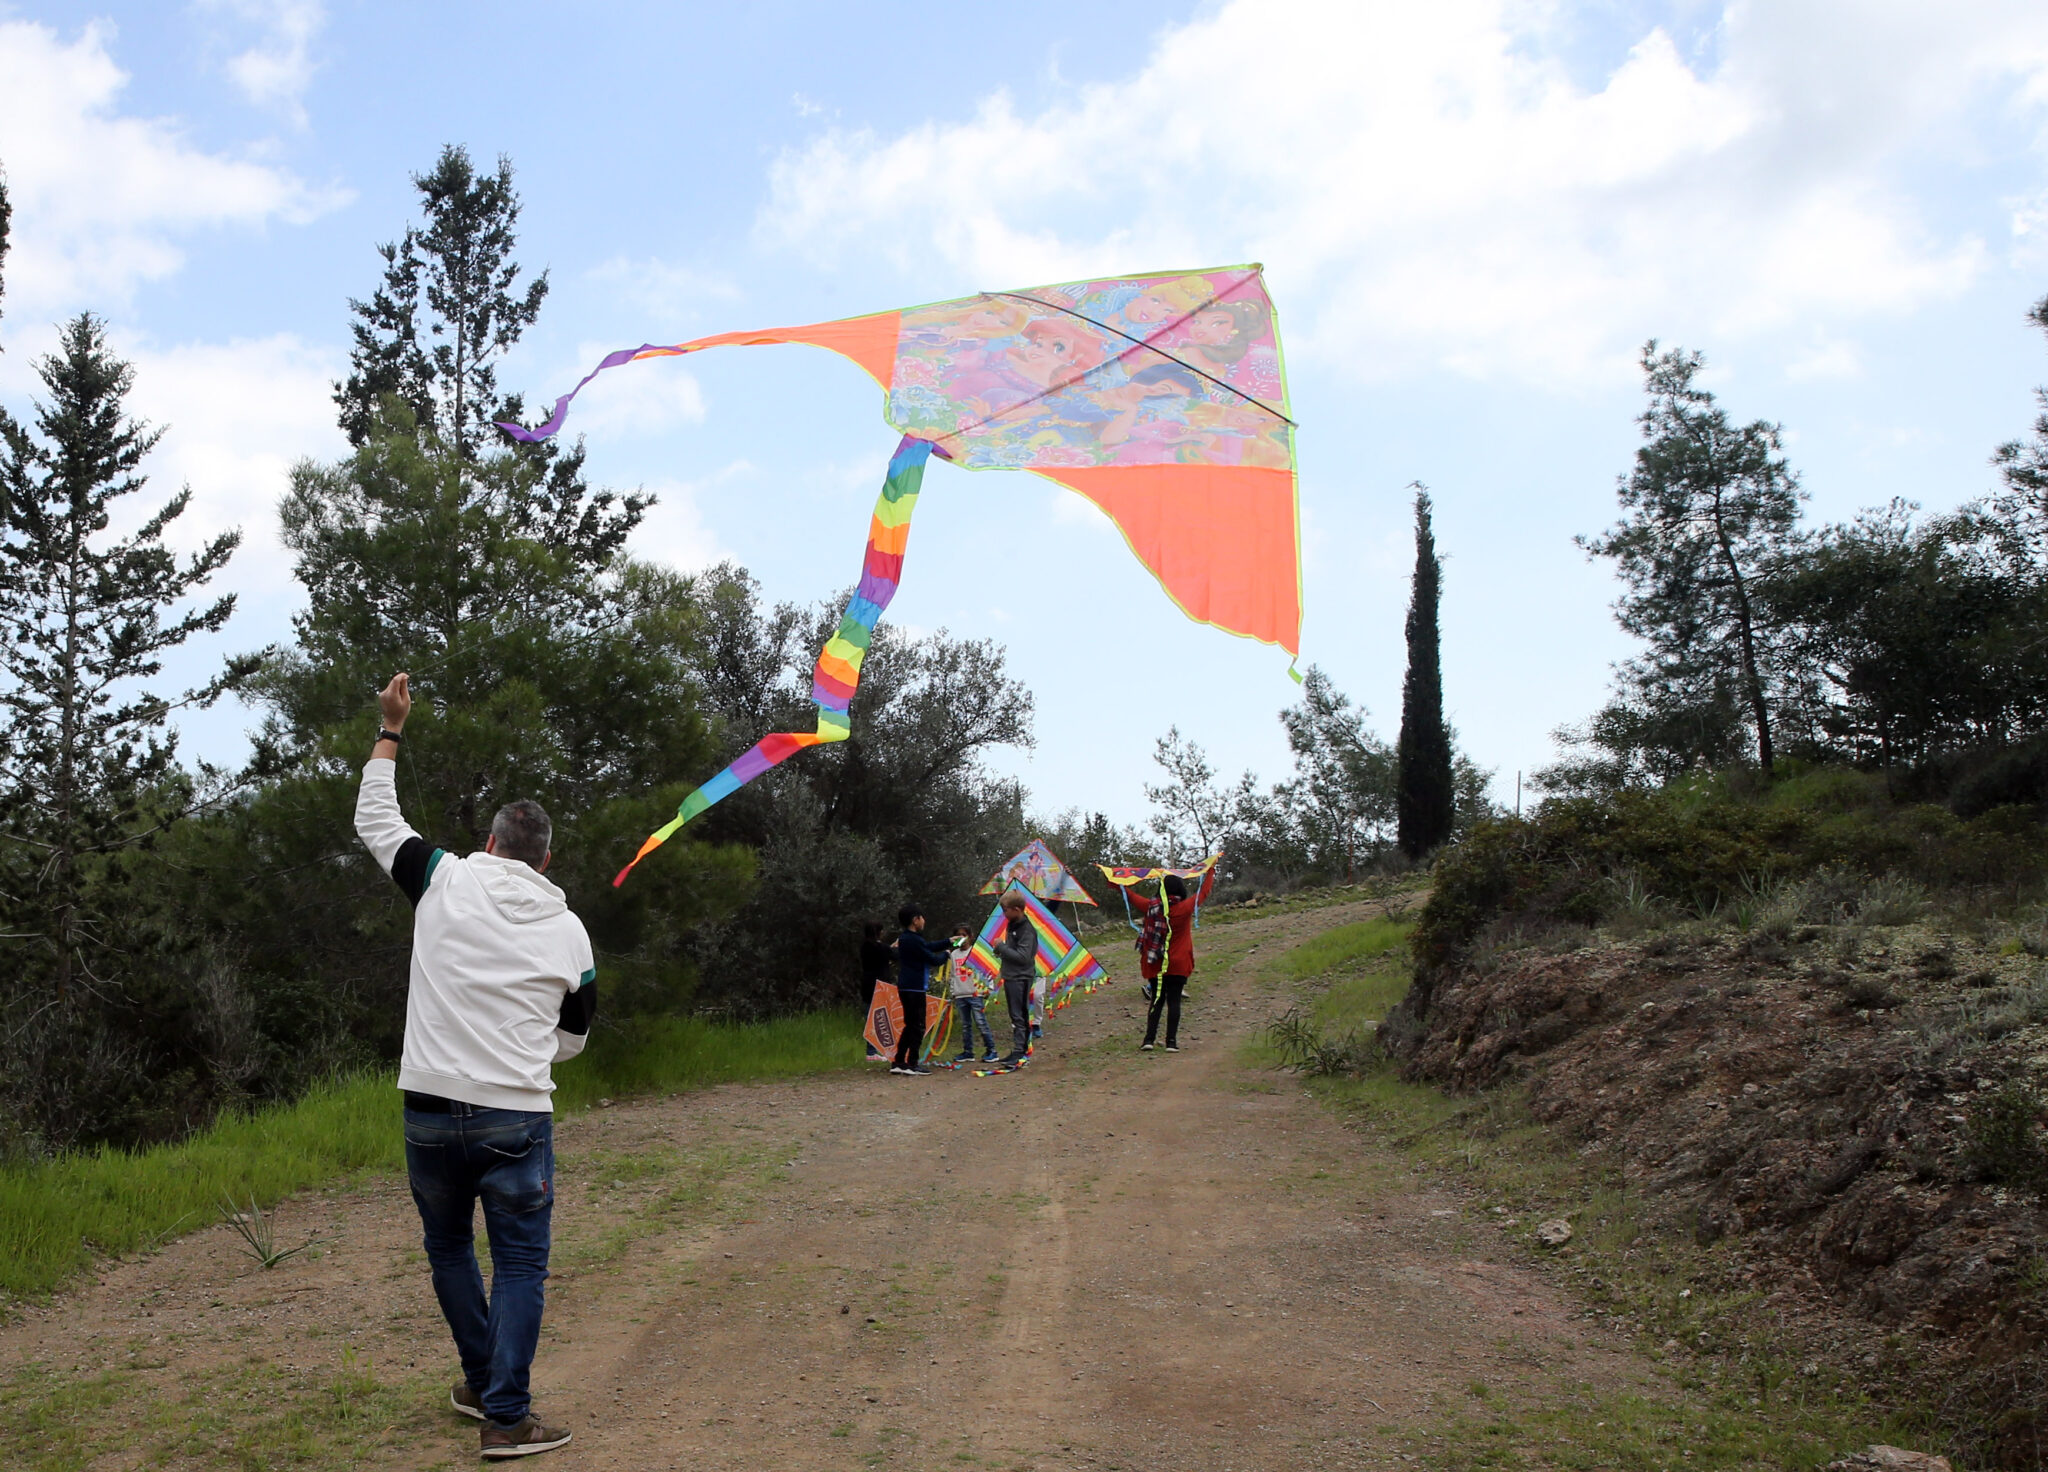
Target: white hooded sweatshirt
(503, 984)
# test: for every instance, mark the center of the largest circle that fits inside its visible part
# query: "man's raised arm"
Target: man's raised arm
(398, 850)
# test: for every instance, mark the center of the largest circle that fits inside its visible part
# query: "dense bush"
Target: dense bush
(1703, 845)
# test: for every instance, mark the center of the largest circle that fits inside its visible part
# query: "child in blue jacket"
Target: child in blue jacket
(915, 958)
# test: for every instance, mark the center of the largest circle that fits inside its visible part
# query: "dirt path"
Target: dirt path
(1110, 1259)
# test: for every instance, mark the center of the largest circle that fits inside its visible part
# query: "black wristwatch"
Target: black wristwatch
(385, 733)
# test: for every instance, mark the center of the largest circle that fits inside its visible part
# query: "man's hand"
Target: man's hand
(395, 701)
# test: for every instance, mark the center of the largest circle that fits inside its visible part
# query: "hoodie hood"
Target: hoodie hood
(522, 894)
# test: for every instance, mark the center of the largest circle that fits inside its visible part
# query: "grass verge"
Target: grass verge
(245, 1416)
(1725, 1395)
(56, 1216)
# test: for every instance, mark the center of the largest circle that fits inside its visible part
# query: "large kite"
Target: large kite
(1160, 398)
(1065, 968)
(1038, 869)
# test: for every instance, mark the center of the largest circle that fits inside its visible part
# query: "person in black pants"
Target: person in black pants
(874, 967)
(915, 958)
(1180, 956)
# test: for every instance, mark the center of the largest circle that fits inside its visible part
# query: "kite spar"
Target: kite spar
(1161, 398)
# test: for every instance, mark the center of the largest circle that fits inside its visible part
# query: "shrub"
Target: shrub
(1821, 849)
(2005, 1143)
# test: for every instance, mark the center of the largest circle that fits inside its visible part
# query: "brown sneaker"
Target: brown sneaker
(523, 1440)
(466, 1399)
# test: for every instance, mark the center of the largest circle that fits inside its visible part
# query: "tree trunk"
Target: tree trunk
(64, 858)
(1757, 706)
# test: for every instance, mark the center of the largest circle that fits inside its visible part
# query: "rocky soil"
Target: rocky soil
(1818, 1109)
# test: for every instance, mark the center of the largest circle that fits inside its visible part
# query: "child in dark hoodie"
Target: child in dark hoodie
(915, 958)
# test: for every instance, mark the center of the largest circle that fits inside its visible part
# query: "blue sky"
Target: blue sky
(1471, 214)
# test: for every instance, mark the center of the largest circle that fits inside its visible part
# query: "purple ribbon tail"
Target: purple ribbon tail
(554, 420)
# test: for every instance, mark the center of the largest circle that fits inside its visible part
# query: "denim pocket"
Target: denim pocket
(518, 1168)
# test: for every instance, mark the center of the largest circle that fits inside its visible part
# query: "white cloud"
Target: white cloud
(100, 200)
(674, 532)
(649, 397)
(1825, 357)
(1436, 189)
(665, 291)
(237, 415)
(277, 70)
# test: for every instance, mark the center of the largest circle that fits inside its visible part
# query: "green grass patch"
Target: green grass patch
(1342, 948)
(57, 1215)
(1690, 1425)
(677, 1054)
(253, 1416)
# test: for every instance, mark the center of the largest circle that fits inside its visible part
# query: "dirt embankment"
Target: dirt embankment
(1822, 1113)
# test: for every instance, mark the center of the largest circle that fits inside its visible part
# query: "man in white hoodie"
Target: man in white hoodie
(502, 988)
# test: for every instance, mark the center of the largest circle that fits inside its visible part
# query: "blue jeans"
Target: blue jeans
(506, 1157)
(973, 1011)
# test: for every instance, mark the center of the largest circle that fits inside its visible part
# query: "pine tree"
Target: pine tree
(2022, 465)
(1426, 791)
(6, 211)
(447, 309)
(84, 749)
(1708, 512)
(1343, 782)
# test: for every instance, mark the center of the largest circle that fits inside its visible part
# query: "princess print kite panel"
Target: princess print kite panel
(1161, 398)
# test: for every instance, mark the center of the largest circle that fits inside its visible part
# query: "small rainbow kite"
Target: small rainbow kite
(1161, 398)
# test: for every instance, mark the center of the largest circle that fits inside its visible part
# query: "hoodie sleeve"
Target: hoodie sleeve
(578, 1008)
(1019, 951)
(398, 850)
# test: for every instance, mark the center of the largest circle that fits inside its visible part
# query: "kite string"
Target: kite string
(1061, 385)
(1151, 345)
(836, 675)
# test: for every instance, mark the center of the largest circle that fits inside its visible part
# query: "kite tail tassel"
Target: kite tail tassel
(836, 675)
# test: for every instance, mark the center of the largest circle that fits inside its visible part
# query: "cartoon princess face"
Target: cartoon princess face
(1224, 332)
(1167, 301)
(1212, 326)
(1000, 319)
(1146, 310)
(1054, 352)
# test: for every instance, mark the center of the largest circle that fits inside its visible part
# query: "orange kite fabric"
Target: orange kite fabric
(1161, 398)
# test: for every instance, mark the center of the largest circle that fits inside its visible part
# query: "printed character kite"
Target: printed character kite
(1037, 868)
(1160, 398)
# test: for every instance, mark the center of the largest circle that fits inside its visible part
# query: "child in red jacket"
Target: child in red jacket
(1179, 958)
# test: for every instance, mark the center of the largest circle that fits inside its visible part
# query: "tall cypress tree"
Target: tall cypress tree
(1425, 794)
(84, 751)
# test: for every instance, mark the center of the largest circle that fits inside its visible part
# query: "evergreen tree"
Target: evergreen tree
(1343, 789)
(1426, 795)
(2023, 467)
(1193, 814)
(1709, 510)
(449, 306)
(6, 211)
(84, 753)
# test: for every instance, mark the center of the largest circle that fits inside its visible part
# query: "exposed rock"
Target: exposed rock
(1555, 1232)
(1889, 1459)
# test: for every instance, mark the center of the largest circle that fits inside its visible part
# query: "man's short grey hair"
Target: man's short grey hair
(523, 831)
